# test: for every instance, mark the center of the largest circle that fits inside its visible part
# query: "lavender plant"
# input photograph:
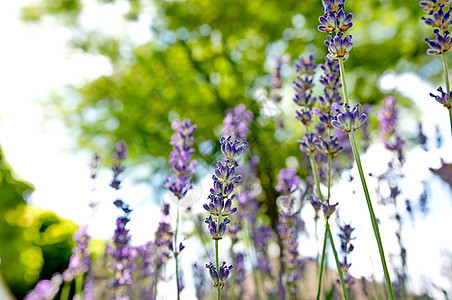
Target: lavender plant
(236, 124)
(182, 142)
(121, 253)
(440, 20)
(336, 23)
(220, 205)
(289, 225)
(313, 143)
(347, 247)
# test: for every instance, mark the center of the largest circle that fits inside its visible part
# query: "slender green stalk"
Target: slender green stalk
(218, 267)
(79, 286)
(446, 79)
(327, 228)
(316, 176)
(176, 252)
(372, 214)
(65, 291)
(319, 285)
(338, 264)
(366, 191)
(344, 86)
(330, 158)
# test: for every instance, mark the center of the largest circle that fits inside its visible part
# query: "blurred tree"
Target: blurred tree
(34, 243)
(205, 56)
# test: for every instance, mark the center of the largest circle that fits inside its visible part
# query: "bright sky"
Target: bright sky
(34, 60)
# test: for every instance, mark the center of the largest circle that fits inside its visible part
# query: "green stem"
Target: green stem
(176, 251)
(65, 291)
(366, 191)
(218, 267)
(338, 264)
(330, 158)
(79, 286)
(446, 79)
(372, 214)
(344, 86)
(316, 176)
(319, 286)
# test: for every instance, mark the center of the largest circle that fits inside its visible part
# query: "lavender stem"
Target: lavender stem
(319, 285)
(372, 214)
(338, 265)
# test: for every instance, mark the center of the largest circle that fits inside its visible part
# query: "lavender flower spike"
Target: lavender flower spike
(440, 45)
(182, 142)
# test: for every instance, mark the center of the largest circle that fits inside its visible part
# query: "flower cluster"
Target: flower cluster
(335, 21)
(346, 237)
(388, 118)
(349, 119)
(182, 142)
(218, 278)
(289, 225)
(221, 196)
(79, 261)
(46, 289)
(120, 153)
(276, 78)
(305, 68)
(440, 20)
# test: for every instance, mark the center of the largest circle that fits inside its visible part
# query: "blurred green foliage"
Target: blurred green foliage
(206, 56)
(34, 243)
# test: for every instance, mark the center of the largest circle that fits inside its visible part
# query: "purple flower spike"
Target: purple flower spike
(443, 98)
(288, 181)
(440, 45)
(349, 119)
(120, 153)
(182, 142)
(339, 47)
(305, 68)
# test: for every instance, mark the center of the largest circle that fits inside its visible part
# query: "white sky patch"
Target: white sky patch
(35, 59)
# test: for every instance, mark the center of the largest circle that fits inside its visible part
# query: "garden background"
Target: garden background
(77, 76)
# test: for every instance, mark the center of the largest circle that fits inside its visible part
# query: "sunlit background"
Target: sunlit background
(77, 76)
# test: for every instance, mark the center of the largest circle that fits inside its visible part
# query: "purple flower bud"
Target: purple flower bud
(328, 209)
